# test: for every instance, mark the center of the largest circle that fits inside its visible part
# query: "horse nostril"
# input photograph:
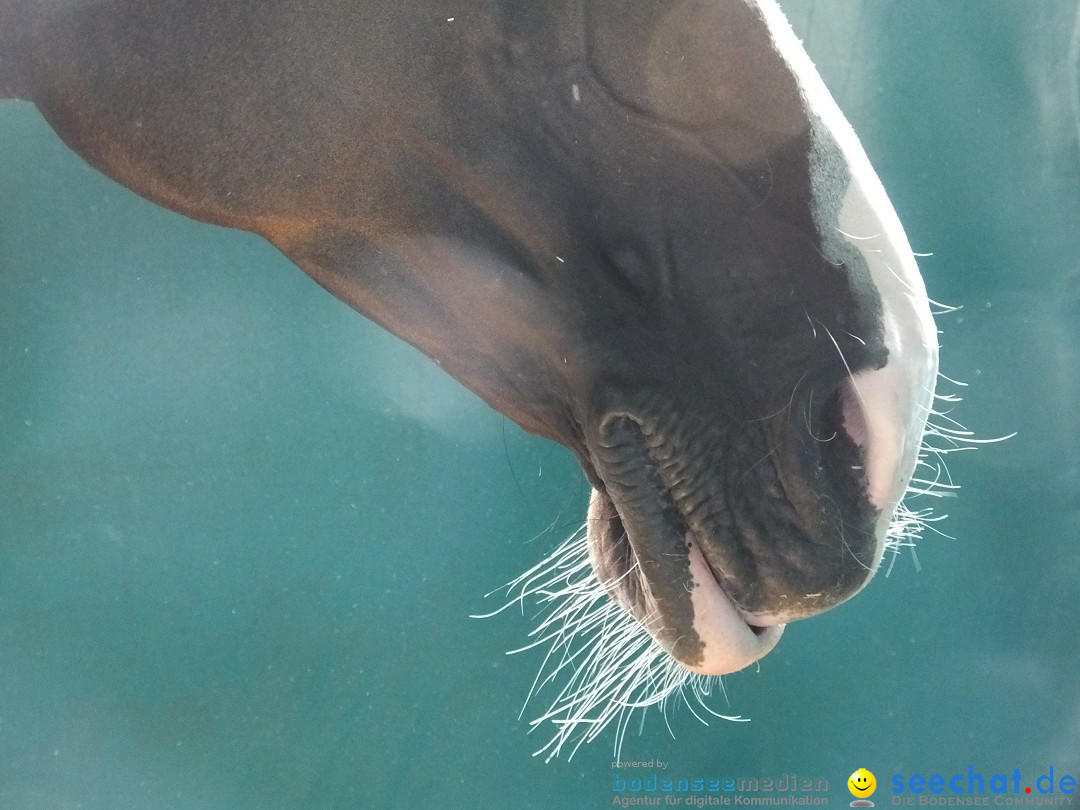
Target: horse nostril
(838, 442)
(853, 413)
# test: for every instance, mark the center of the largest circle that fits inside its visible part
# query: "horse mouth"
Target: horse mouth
(718, 600)
(674, 591)
(644, 551)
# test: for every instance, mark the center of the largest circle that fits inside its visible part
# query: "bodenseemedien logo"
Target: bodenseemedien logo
(862, 785)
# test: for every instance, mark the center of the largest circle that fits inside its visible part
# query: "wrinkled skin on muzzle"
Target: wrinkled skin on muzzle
(642, 230)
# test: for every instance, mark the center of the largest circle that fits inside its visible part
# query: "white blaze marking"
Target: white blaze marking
(897, 399)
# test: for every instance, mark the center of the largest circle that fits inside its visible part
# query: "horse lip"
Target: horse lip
(660, 576)
(732, 641)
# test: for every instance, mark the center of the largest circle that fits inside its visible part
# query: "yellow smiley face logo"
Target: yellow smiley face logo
(861, 783)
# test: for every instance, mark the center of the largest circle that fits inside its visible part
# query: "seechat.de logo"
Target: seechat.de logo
(999, 789)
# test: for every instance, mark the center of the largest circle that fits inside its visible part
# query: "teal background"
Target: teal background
(242, 529)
